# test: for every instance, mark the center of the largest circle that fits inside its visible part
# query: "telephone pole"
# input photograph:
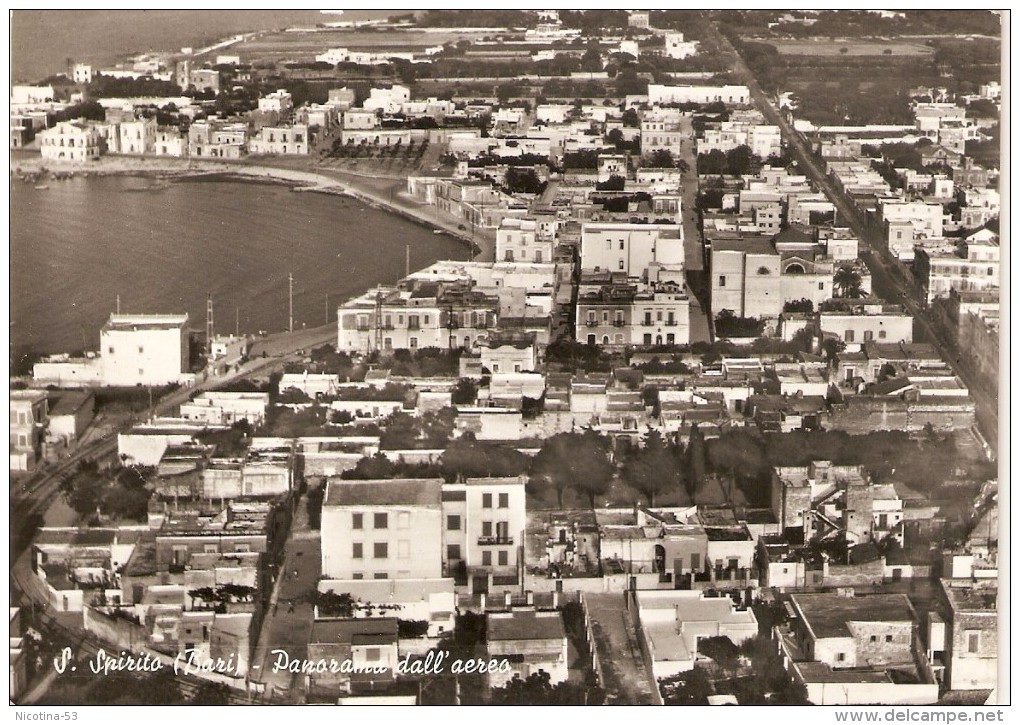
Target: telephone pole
(208, 322)
(290, 279)
(237, 322)
(118, 304)
(407, 260)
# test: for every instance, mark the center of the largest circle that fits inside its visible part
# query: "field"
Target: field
(304, 46)
(828, 47)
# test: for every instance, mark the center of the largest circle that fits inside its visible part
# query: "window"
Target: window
(140, 349)
(874, 638)
(486, 558)
(495, 367)
(722, 280)
(242, 548)
(849, 336)
(486, 500)
(357, 521)
(357, 575)
(210, 549)
(404, 549)
(841, 657)
(372, 654)
(404, 520)
(621, 244)
(881, 334)
(621, 264)
(358, 550)
(111, 350)
(605, 318)
(381, 521)
(453, 552)
(973, 642)
(502, 558)
(413, 343)
(486, 528)
(380, 575)
(504, 500)
(821, 286)
(453, 523)
(381, 550)
(888, 638)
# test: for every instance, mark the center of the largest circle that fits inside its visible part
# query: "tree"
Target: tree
(662, 159)
(331, 604)
(687, 688)
(574, 460)
(695, 462)
(473, 459)
(801, 305)
(465, 392)
(848, 281)
(653, 469)
(537, 689)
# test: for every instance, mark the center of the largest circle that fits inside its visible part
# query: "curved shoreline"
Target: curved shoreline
(298, 180)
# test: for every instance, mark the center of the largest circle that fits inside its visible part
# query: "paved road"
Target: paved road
(626, 679)
(888, 275)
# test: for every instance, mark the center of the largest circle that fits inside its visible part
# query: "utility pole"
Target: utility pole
(208, 323)
(237, 322)
(407, 260)
(118, 304)
(290, 280)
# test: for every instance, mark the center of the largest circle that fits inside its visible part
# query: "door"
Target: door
(480, 584)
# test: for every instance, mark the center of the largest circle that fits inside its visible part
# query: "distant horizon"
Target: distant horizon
(43, 41)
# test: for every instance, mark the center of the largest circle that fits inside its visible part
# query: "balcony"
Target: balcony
(647, 323)
(364, 328)
(670, 323)
(495, 541)
(592, 323)
(619, 323)
(413, 326)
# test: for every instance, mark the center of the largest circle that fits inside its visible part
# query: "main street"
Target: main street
(889, 278)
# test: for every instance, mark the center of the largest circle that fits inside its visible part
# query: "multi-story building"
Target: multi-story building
(763, 140)
(280, 102)
(389, 529)
(144, 349)
(907, 221)
(227, 408)
(216, 139)
(971, 645)
(661, 134)
(483, 529)
(619, 314)
(531, 641)
(630, 248)
(284, 140)
(69, 141)
(138, 136)
(975, 271)
(29, 417)
(418, 314)
(752, 278)
(170, 142)
(525, 240)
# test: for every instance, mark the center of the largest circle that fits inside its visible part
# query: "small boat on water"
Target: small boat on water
(437, 231)
(42, 187)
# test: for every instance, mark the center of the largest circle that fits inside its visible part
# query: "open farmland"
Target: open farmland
(299, 45)
(826, 46)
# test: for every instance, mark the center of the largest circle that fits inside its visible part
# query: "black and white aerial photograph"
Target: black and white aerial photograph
(508, 357)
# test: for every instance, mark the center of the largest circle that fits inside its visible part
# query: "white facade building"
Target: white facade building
(144, 349)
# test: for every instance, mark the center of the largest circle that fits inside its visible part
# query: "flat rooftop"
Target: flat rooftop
(396, 492)
(828, 614)
(524, 625)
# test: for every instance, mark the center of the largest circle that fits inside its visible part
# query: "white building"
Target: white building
(625, 314)
(69, 141)
(525, 240)
(387, 100)
(282, 140)
(735, 95)
(389, 529)
(863, 323)
(81, 74)
(677, 47)
(942, 271)
(277, 102)
(483, 526)
(630, 248)
(138, 137)
(144, 349)
(227, 408)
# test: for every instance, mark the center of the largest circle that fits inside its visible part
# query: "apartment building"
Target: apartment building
(975, 268)
(281, 140)
(483, 529)
(619, 314)
(69, 141)
(418, 314)
(630, 248)
(144, 349)
(389, 529)
(29, 418)
(526, 240)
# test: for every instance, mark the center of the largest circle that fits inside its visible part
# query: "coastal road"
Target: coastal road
(888, 275)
